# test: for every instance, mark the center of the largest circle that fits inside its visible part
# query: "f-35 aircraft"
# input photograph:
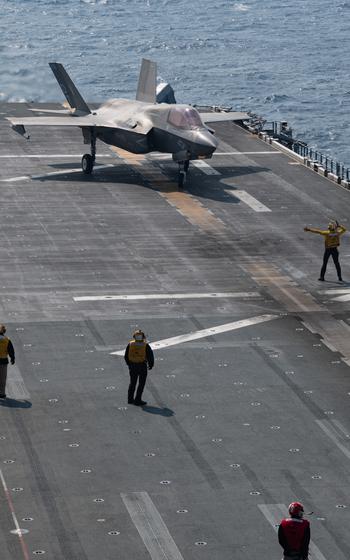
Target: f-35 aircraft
(138, 126)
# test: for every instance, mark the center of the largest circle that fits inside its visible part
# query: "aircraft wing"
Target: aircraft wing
(86, 121)
(222, 116)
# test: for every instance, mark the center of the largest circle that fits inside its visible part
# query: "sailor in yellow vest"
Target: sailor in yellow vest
(332, 242)
(6, 350)
(138, 355)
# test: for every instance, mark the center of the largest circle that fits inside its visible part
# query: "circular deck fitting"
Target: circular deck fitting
(340, 506)
(53, 401)
(239, 383)
(63, 421)
(246, 424)
(274, 355)
(35, 363)
(110, 388)
(308, 392)
(86, 471)
(99, 368)
(289, 372)
(255, 493)
(136, 431)
(200, 416)
(299, 329)
(98, 500)
(294, 450)
(171, 375)
(43, 380)
(73, 444)
(300, 355)
(184, 395)
(217, 439)
(165, 482)
(235, 466)
(2, 437)
(28, 519)
(66, 430)
(329, 412)
(114, 532)
(255, 403)
(8, 461)
(316, 477)
(100, 520)
(200, 543)
(336, 362)
(182, 511)
(27, 345)
(275, 427)
(316, 345)
(150, 454)
(122, 408)
(38, 551)
(80, 334)
(17, 489)
(18, 329)
(19, 532)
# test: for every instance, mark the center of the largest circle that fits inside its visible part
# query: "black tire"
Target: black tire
(87, 164)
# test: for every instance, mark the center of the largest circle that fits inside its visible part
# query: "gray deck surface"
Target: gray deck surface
(239, 423)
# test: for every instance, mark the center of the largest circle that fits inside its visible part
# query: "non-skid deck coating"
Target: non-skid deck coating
(239, 421)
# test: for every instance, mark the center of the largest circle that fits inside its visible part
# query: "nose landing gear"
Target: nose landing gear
(183, 169)
(88, 161)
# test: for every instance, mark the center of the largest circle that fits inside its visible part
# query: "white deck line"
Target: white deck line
(53, 173)
(274, 513)
(205, 167)
(151, 527)
(332, 434)
(273, 152)
(15, 386)
(249, 200)
(49, 156)
(166, 342)
(135, 297)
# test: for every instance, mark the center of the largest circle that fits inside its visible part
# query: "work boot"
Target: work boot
(321, 279)
(140, 403)
(130, 401)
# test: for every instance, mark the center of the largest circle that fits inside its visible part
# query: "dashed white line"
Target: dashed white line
(18, 530)
(135, 297)
(330, 431)
(151, 527)
(166, 342)
(249, 200)
(48, 156)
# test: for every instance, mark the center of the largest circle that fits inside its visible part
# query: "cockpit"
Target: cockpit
(184, 117)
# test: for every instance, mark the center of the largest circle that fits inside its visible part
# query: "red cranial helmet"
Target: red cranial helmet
(296, 509)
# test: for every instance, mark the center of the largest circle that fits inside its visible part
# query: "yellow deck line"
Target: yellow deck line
(188, 206)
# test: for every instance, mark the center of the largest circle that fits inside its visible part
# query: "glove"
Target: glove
(150, 367)
(306, 228)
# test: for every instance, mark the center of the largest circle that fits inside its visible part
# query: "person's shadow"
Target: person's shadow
(14, 403)
(158, 410)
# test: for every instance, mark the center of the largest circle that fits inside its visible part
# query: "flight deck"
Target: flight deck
(247, 405)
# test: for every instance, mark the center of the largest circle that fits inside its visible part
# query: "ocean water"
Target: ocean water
(285, 60)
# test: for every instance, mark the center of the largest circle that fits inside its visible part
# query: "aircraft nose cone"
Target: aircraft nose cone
(207, 143)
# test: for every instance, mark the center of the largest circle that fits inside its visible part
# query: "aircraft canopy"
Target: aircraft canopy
(184, 117)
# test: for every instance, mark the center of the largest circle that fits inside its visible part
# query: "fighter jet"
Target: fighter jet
(139, 126)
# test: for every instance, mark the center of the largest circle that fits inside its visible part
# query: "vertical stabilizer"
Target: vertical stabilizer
(71, 93)
(146, 88)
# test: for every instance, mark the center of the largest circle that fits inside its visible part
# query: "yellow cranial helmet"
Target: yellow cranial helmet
(138, 334)
(332, 226)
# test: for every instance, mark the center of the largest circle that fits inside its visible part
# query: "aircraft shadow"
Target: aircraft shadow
(160, 411)
(14, 403)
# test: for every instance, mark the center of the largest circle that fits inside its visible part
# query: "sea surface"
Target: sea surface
(285, 60)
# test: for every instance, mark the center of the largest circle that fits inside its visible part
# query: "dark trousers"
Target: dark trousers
(138, 372)
(3, 377)
(335, 255)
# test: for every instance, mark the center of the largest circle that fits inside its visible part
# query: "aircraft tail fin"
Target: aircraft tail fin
(146, 88)
(71, 93)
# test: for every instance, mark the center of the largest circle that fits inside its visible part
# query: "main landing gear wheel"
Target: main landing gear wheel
(87, 164)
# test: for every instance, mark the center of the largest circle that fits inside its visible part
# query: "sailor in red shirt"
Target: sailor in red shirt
(294, 534)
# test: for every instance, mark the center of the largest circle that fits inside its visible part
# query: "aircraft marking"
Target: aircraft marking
(151, 527)
(134, 297)
(205, 167)
(18, 530)
(211, 331)
(249, 200)
(274, 513)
